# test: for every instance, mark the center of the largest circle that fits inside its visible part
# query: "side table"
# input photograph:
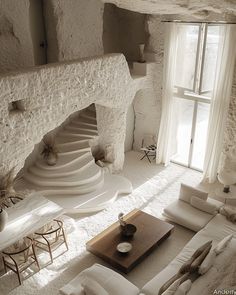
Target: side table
(149, 151)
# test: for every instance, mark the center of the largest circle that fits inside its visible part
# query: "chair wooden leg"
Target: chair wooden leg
(18, 275)
(35, 257)
(50, 252)
(5, 267)
(64, 236)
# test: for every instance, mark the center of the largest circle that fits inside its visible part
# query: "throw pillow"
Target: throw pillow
(187, 265)
(184, 288)
(207, 262)
(229, 213)
(198, 261)
(222, 244)
(186, 192)
(203, 205)
(91, 287)
(174, 286)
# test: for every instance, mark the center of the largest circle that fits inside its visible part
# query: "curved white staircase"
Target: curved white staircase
(76, 183)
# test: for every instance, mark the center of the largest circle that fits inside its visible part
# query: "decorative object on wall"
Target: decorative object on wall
(3, 219)
(141, 50)
(227, 178)
(16, 106)
(50, 152)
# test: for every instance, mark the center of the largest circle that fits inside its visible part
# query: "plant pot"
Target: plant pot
(51, 159)
(3, 219)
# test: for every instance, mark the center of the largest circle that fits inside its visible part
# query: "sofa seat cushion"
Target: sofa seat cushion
(219, 227)
(184, 214)
(109, 280)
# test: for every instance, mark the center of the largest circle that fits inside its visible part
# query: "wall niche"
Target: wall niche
(16, 106)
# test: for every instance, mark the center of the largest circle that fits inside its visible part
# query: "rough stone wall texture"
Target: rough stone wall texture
(111, 130)
(199, 8)
(129, 137)
(230, 134)
(123, 31)
(74, 29)
(16, 48)
(51, 93)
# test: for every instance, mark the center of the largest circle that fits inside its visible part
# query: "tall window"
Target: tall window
(195, 67)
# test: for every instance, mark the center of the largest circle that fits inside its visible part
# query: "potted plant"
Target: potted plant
(6, 185)
(7, 191)
(3, 219)
(49, 152)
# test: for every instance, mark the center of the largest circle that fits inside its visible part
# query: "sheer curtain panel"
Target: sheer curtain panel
(220, 101)
(164, 136)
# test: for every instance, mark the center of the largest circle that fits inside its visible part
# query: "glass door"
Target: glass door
(190, 133)
(196, 62)
(183, 111)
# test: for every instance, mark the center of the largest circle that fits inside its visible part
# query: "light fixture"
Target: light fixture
(227, 177)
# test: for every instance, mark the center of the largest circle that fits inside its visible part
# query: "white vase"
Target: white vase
(141, 52)
(51, 159)
(3, 219)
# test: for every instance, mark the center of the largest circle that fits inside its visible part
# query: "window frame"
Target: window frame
(196, 94)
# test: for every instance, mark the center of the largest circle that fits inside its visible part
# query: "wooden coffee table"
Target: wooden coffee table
(151, 231)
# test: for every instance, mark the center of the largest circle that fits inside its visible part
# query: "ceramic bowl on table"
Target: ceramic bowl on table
(124, 247)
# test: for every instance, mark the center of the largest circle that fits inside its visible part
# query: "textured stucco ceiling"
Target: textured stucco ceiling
(184, 7)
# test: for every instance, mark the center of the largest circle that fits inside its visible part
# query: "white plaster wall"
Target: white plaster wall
(53, 92)
(123, 31)
(16, 48)
(147, 103)
(129, 137)
(37, 29)
(74, 28)
(111, 30)
(111, 123)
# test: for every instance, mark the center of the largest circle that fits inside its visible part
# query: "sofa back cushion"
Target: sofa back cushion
(112, 282)
(91, 287)
(186, 192)
(204, 205)
(99, 280)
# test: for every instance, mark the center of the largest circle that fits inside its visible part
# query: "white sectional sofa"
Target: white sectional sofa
(214, 228)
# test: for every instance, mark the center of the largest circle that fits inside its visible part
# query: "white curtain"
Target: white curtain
(220, 101)
(164, 136)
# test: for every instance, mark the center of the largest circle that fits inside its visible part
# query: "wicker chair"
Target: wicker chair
(19, 257)
(50, 237)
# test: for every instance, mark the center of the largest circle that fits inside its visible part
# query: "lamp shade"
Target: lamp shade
(227, 177)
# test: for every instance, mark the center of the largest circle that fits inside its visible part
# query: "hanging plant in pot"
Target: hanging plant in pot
(49, 152)
(7, 194)
(3, 219)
